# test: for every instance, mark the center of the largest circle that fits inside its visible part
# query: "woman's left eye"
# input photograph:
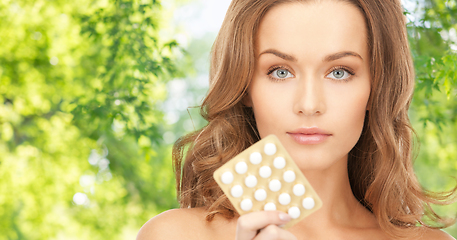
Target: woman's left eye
(340, 74)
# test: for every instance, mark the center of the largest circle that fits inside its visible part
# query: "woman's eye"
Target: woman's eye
(281, 73)
(339, 74)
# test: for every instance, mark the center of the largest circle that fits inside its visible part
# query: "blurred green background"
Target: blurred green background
(94, 92)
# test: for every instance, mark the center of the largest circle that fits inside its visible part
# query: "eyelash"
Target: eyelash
(274, 68)
(348, 70)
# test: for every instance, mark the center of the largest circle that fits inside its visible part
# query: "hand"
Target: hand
(263, 225)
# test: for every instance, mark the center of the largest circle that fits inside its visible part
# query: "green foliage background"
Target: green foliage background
(84, 138)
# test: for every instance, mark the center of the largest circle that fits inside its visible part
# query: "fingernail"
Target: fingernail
(284, 217)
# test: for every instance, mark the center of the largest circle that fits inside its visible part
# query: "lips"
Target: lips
(311, 135)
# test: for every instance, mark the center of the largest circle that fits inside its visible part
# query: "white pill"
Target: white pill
(284, 198)
(255, 158)
(299, 189)
(260, 195)
(227, 177)
(269, 149)
(274, 185)
(269, 207)
(294, 212)
(250, 181)
(236, 191)
(308, 203)
(279, 162)
(246, 204)
(265, 171)
(241, 167)
(289, 176)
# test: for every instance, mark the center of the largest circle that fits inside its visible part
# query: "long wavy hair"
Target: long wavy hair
(380, 165)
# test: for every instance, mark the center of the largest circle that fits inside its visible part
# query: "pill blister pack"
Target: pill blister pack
(265, 177)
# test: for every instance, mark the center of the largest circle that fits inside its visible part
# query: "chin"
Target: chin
(319, 158)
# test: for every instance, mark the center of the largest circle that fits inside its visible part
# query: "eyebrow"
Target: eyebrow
(328, 58)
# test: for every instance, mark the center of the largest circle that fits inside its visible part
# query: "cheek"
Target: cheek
(269, 108)
(350, 114)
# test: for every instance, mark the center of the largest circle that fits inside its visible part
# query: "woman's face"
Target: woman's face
(312, 71)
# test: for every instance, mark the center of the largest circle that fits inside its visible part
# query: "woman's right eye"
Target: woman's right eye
(280, 73)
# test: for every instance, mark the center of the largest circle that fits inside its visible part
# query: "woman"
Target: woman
(333, 80)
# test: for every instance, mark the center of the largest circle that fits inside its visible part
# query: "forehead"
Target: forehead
(313, 28)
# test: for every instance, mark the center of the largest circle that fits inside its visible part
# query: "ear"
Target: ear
(247, 101)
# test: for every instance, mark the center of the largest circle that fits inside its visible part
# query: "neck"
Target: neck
(340, 208)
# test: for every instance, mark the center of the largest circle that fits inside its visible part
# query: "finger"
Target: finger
(274, 232)
(248, 224)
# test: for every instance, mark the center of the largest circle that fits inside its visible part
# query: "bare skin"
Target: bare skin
(191, 224)
(314, 88)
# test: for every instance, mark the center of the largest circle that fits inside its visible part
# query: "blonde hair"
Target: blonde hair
(379, 166)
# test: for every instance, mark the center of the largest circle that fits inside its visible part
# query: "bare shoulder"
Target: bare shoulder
(182, 224)
(171, 224)
(435, 234)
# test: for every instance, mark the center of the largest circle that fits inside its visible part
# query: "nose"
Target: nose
(309, 97)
